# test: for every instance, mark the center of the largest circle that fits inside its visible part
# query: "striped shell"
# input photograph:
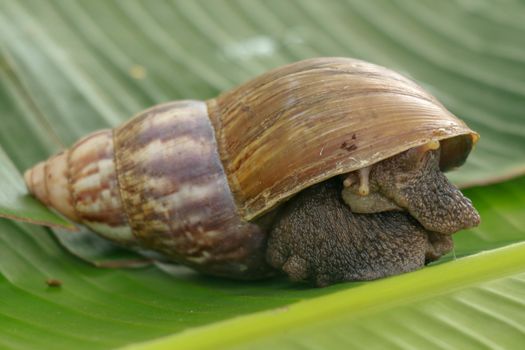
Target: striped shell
(189, 179)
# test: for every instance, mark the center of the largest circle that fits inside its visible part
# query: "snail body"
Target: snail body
(202, 181)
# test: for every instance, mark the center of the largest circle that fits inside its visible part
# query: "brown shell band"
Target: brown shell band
(94, 188)
(81, 184)
(176, 194)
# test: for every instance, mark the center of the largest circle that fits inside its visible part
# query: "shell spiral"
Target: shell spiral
(189, 179)
(156, 182)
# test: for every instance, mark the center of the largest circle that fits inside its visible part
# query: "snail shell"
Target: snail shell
(189, 179)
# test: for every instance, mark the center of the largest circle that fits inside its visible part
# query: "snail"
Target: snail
(327, 169)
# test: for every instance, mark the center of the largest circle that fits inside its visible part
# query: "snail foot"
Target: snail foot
(317, 239)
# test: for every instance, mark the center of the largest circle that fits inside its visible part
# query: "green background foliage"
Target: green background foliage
(71, 67)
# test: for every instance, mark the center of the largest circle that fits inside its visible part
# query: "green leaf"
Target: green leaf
(70, 67)
(101, 309)
(447, 304)
(502, 209)
(19, 124)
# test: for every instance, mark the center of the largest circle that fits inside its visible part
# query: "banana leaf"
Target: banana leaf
(71, 67)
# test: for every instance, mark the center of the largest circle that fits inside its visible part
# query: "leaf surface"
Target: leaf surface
(100, 309)
(70, 67)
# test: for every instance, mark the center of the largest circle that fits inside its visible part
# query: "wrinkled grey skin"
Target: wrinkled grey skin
(412, 181)
(317, 238)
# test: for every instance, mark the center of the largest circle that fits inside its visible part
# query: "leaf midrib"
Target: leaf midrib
(368, 298)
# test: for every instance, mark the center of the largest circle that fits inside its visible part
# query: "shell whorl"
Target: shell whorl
(156, 182)
(176, 194)
(81, 183)
(308, 121)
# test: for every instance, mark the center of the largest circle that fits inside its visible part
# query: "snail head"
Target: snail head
(412, 181)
